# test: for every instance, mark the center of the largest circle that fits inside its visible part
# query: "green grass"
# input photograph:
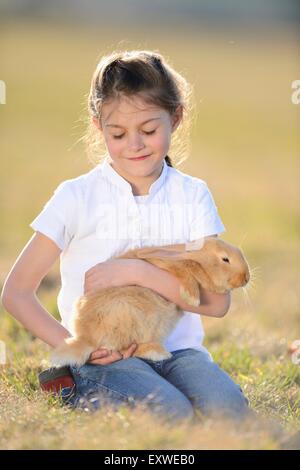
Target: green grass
(245, 145)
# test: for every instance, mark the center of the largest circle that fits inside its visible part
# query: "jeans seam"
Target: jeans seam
(102, 387)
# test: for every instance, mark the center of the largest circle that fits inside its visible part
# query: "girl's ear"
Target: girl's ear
(97, 123)
(177, 117)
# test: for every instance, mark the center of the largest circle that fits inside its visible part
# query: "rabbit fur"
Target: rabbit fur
(116, 317)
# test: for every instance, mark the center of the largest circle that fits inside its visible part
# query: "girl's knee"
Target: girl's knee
(179, 411)
(229, 402)
(171, 407)
(236, 402)
(182, 409)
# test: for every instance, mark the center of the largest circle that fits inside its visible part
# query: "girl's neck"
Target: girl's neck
(140, 185)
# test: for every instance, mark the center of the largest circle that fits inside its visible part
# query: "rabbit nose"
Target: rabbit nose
(247, 277)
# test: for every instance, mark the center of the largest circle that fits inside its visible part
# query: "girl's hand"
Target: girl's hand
(112, 273)
(104, 357)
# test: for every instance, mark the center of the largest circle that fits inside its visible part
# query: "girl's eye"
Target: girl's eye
(149, 132)
(121, 135)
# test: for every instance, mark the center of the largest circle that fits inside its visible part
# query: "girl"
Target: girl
(134, 198)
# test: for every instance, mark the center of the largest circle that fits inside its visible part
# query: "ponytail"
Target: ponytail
(168, 161)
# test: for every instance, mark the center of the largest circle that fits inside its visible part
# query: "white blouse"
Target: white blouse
(95, 216)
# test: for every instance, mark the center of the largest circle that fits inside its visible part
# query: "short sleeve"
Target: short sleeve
(205, 218)
(57, 220)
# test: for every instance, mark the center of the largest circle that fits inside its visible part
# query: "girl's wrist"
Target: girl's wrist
(139, 272)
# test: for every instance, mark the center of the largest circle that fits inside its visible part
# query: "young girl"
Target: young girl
(134, 198)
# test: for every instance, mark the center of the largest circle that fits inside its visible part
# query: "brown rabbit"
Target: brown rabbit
(116, 317)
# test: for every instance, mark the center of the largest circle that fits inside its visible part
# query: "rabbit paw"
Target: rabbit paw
(71, 352)
(189, 298)
(152, 351)
(156, 355)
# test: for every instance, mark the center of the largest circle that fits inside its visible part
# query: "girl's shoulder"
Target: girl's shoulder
(78, 183)
(190, 181)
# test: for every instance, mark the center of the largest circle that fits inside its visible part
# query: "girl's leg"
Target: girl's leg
(205, 384)
(129, 381)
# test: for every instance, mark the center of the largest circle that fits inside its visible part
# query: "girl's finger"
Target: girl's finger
(129, 351)
(99, 353)
(109, 359)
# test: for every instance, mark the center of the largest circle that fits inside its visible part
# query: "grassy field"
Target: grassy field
(245, 145)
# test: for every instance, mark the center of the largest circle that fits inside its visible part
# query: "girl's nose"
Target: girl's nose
(135, 142)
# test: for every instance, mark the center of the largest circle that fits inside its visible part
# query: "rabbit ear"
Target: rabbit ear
(170, 251)
(200, 274)
(194, 245)
(175, 251)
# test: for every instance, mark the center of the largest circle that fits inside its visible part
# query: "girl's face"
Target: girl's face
(133, 128)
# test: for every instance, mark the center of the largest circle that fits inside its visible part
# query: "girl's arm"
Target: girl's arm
(19, 290)
(19, 298)
(124, 272)
(168, 286)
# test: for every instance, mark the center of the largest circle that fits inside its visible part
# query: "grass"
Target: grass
(245, 144)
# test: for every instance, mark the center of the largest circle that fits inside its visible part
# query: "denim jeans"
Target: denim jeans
(190, 380)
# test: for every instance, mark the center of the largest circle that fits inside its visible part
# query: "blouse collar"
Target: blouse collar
(117, 180)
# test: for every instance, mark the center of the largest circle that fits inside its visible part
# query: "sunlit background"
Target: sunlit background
(241, 58)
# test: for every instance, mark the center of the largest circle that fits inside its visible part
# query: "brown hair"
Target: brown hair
(138, 72)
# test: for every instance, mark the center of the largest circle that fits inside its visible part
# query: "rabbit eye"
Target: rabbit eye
(226, 260)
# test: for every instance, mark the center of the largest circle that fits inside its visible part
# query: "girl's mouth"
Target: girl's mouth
(139, 158)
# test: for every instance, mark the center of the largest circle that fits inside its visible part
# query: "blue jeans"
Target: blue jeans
(175, 387)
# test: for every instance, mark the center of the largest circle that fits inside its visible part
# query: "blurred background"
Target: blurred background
(241, 59)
